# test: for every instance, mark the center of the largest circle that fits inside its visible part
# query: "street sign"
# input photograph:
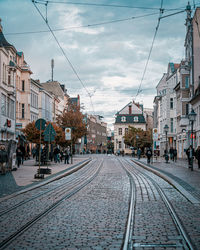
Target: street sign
(49, 138)
(155, 134)
(67, 134)
(49, 133)
(40, 124)
(49, 130)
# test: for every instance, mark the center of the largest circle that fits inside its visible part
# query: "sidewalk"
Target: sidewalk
(24, 176)
(179, 172)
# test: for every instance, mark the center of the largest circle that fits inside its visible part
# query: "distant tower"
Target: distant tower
(52, 66)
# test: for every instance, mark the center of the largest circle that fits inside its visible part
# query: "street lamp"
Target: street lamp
(166, 129)
(192, 118)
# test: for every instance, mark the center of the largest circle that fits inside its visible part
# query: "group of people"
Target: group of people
(60, 155)
(173, 154)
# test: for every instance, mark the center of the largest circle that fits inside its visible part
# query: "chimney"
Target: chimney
(1, 28)
(130, 109)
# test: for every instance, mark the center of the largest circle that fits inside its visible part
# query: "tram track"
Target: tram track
(145, 188)
(76, 185)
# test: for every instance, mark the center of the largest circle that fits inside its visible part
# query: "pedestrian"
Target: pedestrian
(67, 155)
(171, 153)
(198, 156)
(133, 152)
(3, 159)
(23, 153)
(56, 155)
(18, 156)
(190, 154)
(149, 155)
(122, 152)
(139, 151)
(118, 152)
(175, 154)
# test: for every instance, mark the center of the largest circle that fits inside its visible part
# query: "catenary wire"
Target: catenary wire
(103, 5)
(71, 65)
(83, 26)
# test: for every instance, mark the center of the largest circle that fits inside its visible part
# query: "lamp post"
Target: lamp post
(192, 118)
(166, 129)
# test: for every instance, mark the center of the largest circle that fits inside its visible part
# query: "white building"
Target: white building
(131, 115)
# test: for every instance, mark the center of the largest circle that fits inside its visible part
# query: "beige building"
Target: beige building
(8, 67)
(59, 97)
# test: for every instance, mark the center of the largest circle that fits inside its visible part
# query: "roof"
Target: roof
(134, 119)
(53, 87)
(4, 43)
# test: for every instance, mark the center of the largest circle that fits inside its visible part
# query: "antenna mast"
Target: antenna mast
(52, 66)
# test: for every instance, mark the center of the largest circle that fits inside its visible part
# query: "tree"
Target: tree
(33, 134)
(73, 118)
(137, 137)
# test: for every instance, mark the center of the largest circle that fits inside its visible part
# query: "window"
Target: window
(171, 103)
(23, 85)
(172, 127)
(23, 109)
(187, 109)
(126, 131)
(187, 82)
(135, 119)
(120, 131)
(3, 104)
(120, 144)
(123, 119)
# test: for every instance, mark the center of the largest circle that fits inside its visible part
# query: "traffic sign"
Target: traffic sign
(49, 138)
(67, 134)
(49, 130)
(40, 124)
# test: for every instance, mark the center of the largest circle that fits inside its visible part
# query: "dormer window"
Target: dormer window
(135, 119)
(123, 119)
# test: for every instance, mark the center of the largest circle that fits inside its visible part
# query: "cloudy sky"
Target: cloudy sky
(104, 46)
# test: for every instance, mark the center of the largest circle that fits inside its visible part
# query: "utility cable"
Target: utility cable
(151, 48)
(99, 5)
(71, 65)
(83, 26)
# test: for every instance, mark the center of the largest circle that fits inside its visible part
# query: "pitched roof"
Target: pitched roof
(4, 43)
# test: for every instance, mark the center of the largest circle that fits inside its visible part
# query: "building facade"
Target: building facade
(131, 115)
(8, 68)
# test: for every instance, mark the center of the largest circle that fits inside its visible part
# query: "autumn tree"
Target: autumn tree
(137, 137)
(32, 134)
(74, 119)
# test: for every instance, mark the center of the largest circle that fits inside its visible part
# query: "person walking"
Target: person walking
(67, 155)
(149, 155)
(18, 156)
(198, 156)
(175, 154)
(3, 159)
(171, 153)
(139, 151)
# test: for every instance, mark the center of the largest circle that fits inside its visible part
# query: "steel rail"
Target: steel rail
(5, 211)
(74, 168)
(171, 210)
(127, 243)
(6, 242)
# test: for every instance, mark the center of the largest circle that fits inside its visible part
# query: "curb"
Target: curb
(50, 179)
(173, 183)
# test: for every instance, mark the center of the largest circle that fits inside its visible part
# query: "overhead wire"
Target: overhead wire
(71, 65)
(151, 48)
(103, 5)
(82, 26)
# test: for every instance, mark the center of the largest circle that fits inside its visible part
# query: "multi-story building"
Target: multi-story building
(131, 115)
(96, 141)
(45, 104)
(59, 97)
(195, 70)
(165, 108)
(8, 67)
(182, 108)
